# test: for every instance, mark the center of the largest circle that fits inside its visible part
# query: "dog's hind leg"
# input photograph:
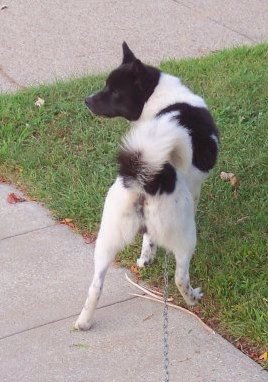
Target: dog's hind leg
(182, 279)
(148, 251)
(119, 225)
(171, 222)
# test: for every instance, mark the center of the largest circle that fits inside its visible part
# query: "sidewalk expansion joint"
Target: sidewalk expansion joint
(27, 232)
(182, 3)
(62, 319)
(10, 79)
(232, 30)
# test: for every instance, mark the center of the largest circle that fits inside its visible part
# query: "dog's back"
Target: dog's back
(175, 107)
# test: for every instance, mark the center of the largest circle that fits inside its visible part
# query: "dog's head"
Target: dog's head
(127, 89)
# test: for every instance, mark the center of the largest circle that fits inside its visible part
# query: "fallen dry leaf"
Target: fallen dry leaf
(13, 198)
(247, 348)
(2, 179)
(39, 102)
(68, 222)
(264, 356)
(135, 270)
(232, 179)
(89, 238)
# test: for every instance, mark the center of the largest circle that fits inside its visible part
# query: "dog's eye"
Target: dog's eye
(115, 93)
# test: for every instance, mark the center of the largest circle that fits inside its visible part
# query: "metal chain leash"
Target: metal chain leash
(165, 320)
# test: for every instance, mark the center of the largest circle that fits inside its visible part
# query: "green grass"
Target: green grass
(65, 158)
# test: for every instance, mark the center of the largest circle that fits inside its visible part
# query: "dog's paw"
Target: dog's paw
(84, 321)
(197, 294)
(194, 297)
(82, 325)
(142, 262)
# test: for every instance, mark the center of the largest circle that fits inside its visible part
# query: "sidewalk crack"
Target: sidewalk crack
(26, 232)
(62, 319)
(215, 21)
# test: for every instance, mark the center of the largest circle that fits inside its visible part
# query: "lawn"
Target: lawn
(64, 157)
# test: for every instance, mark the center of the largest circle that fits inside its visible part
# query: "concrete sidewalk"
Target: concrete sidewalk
(45, 268)
(43, 41)
(45, 271)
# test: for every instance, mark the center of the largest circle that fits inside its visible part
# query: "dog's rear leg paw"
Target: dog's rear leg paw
(194, 296)
(144, 262)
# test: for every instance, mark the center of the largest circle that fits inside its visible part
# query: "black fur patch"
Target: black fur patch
(199, 122)
(127, 89)
(128, 55)
(164, 182)
(143, 230)
(131, 167)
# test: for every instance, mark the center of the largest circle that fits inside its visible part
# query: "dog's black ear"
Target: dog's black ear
(139, 68)
(128, 55)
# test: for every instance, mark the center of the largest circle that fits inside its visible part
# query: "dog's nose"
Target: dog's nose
(88, 101)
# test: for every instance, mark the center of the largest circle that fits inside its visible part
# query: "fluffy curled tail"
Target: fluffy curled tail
(152, 149)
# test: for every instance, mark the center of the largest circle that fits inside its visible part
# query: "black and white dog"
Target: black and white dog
(163, 161)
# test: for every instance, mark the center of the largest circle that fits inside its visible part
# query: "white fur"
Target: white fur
(148, 251)
(161, 140)
(170, 223)
(169, 218)
(169, 90)
(119, 226)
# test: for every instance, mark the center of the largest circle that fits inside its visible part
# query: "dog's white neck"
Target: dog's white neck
(169, 90)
